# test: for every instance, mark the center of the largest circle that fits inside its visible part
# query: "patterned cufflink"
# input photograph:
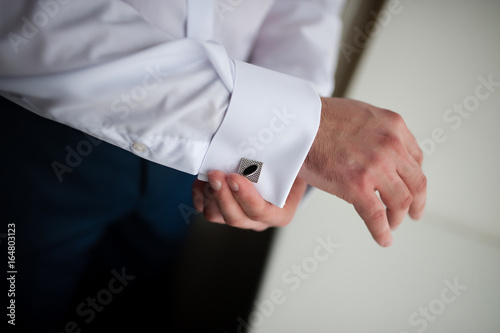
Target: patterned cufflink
(250, 169)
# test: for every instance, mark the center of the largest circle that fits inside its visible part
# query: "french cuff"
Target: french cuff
(272, 119)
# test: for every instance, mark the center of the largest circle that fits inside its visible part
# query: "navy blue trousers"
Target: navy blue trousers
(92, 222)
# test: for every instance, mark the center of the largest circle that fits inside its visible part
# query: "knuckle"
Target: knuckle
(377, 215)
(358, 179)
(376, 160)
(235, 222)
(211, 216)
(406, 201)
(419, 156)
(394, 117)
(258, 213)
(208, 192)
(392, 141)
(256, 217)
(195, 188)
(422, 184)
(378, 226)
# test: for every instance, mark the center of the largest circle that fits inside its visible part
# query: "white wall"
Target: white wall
(428, 58)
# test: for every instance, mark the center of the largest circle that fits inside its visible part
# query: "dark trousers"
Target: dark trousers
(97, 228)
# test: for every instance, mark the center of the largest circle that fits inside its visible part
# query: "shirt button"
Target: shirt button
(139, 147)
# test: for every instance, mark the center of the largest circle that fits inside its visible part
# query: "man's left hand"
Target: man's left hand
(233, 200)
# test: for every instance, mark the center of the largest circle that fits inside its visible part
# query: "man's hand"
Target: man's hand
(360, 149)
(233, 200)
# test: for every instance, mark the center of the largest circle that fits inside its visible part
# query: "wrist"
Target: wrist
(314, 157)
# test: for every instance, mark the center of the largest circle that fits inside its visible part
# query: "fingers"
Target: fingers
(204, 202)
(229, 208)
(412, 146)
(197, 194)
(212, 212)
(411, 173)
(404, 191)
(257, 209)
(233, 200)
(248, 198)
(372, 211)
(397, 199)
(414, 176)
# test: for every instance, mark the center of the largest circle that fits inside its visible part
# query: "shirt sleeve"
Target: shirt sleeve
(100, 67)
(302, 38)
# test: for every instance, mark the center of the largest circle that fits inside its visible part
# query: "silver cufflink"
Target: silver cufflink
(250, 169)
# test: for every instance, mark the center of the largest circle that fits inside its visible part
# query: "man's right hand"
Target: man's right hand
(360, 149)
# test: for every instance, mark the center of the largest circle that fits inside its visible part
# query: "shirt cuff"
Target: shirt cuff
(272, 118)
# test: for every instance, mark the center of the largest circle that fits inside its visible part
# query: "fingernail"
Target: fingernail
(214, 184)
(233, 185)
(387, 243)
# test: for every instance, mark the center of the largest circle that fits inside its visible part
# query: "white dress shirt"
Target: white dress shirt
(194, 85)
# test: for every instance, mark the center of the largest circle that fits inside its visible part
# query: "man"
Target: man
(197, 86)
